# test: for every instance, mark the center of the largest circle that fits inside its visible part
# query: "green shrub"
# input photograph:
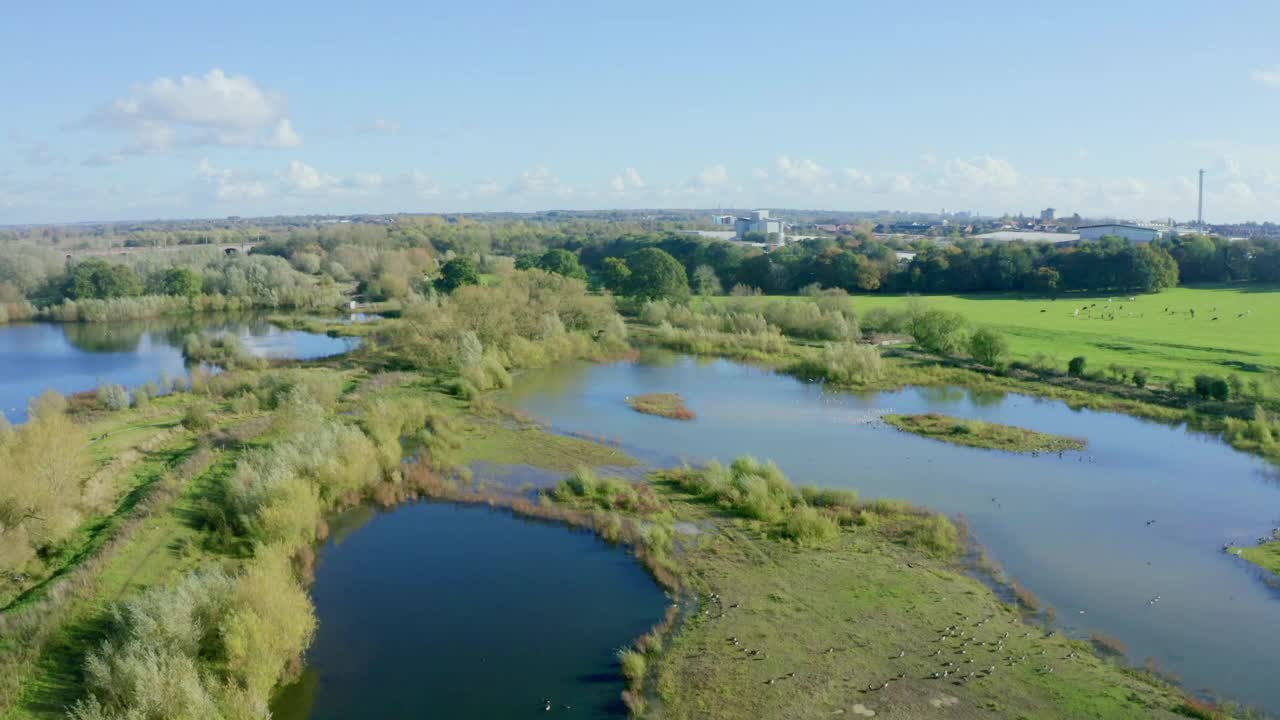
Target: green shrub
(1140, 377)
(113, 397)
(937, 535)
(988, 347)
(197, 417)
(633, 666)
(1076, 366)
(810, 528)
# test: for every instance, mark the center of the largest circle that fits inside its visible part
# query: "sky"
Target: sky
(142, 110)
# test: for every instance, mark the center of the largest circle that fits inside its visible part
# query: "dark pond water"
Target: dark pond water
(71, 357)
(1073, 529)
(441, 611)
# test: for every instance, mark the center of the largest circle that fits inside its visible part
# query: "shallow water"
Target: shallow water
(72, 357)
(1072, 528)
(442, 611)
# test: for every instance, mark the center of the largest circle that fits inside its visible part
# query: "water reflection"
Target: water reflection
(73, 357)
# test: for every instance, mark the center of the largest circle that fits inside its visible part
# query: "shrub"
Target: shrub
(1140, 378)
(1203, 385)
(197, 417)
(940, 332)
(810, 528)
(937, 535)
(1076, 366)
(845, 363)
(633, 666)
(988, 347)
(113, 397)
(829, 497)
(1220, 389)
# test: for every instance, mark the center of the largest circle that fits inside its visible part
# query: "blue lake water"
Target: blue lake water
(444, 611)
(72, 357)
(1073, 529)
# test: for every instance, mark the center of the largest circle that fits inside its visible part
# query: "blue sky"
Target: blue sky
(138, 110)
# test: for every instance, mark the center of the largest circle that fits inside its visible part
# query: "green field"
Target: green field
(1244, 337)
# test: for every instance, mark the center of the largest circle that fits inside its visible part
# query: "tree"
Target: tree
(174, 281)
(101, 280)
(655, 275)
(988, 347)
(1203, 385)
(1076, 366)
(615, 274)
(562, 262)
(1140, 377)
(1220, 389)
(456, 273)
(705, 281)
(939, 331)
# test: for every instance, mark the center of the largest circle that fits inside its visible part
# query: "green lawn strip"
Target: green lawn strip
(979, 434)
(53, 679)
(507, 443)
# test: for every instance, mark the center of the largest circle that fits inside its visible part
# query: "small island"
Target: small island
(976, 433)
(667, 405)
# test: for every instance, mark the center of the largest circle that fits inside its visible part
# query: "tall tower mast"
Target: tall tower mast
(1200, 203)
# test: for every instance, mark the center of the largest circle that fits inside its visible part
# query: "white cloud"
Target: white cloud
(629, 180)
(760, 174)
(305, 178)
(806, 173)
(227, 185)
(538, 181)
(981, 171)
(211, 109)
(1269, 76)
(712, 176)
(284, 135)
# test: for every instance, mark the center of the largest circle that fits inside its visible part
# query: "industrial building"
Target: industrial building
(760, 222)
(1132, 233)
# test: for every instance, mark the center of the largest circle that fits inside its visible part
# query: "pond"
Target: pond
(1143, 512)
(445, 611)
(72, 357)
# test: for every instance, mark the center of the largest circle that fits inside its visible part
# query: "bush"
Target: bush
(988, 347)
(1220, 389)
(810, 528)
(1076, 366)
(846, 363)
(213, 646)
(1140, 378)
(937, 535)
(197, 417)
(940, 332)
(113, 397)
(633, 666)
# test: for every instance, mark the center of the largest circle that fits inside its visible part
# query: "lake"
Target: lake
(446, 611)
(1143, 512)
(72, 357)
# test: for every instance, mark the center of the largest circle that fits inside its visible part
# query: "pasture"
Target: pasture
(1234, 329)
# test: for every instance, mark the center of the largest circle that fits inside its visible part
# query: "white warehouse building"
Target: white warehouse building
(760, 222)
(1132, 233)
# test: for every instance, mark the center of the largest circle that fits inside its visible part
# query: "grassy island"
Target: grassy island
(976, 433)
(667, 405)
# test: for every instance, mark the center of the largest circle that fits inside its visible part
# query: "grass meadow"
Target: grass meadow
(1234, 329)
